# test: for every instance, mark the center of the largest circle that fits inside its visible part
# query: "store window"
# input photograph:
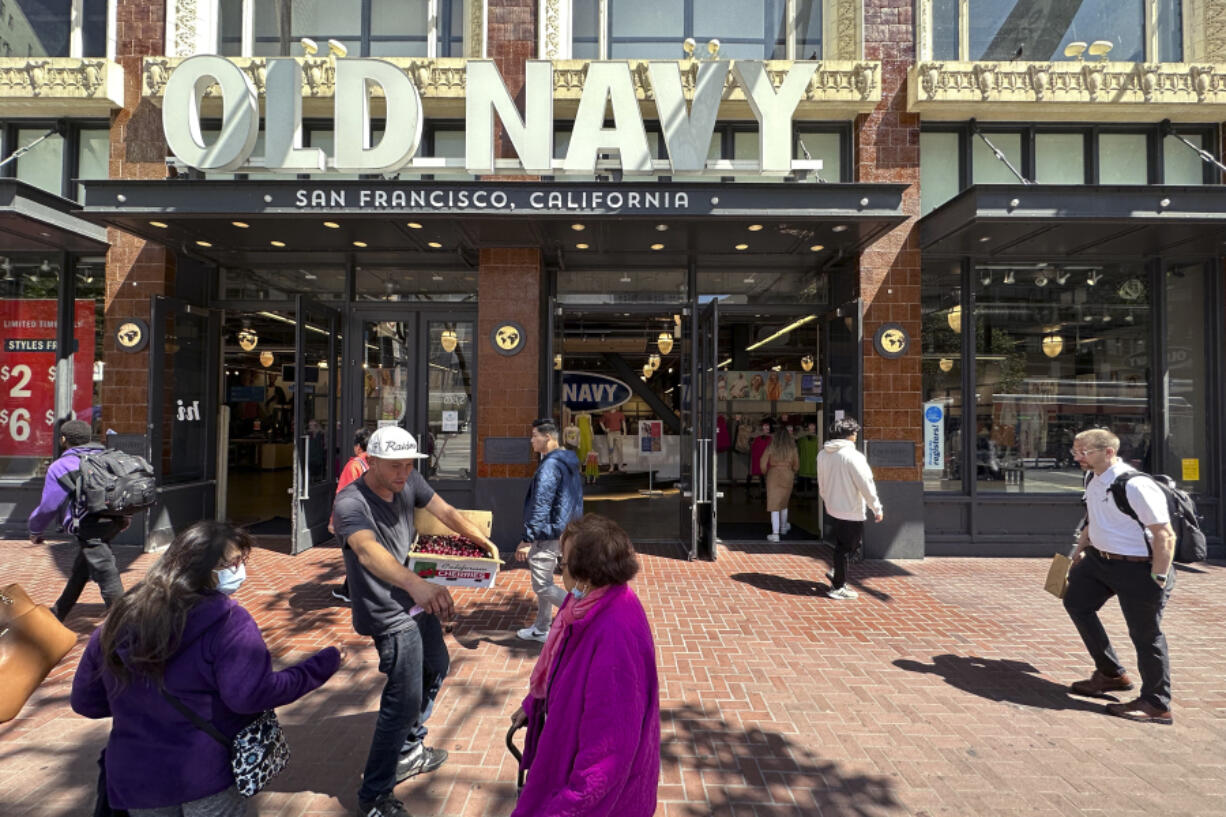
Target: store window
(1188, 358)
(942, 376)
(1060, 158)
(621, 286)
(321, 282)
(755, 285)
(46, 28)
(90, 316)
(656, 29)
(398, 283)
(987, 167)
(451, 426)
(1180, 162)
(1123, 158)
(366, 28)
(52, 155)
(1029, 30)
(940, 174)
(1058, 348)
(43, 163)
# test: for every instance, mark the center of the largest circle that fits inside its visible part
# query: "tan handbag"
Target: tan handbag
(1057, 575)
(32, 642)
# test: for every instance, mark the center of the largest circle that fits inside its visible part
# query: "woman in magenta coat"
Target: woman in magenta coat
(597, 752)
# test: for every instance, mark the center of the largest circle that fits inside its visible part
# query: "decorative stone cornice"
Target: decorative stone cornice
(1075, 90)
(60, 86)
(839, 89)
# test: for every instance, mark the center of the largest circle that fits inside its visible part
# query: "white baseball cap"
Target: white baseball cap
(393, 443)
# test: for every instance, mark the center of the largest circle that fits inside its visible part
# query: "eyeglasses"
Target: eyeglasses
(1077, 452)
(234, 563)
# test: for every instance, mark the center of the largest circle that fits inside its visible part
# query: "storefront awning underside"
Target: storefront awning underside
(1078, 221)
(778, 224)
(33, 220)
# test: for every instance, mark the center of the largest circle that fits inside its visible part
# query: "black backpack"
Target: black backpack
(110, 481)
(1189, 538)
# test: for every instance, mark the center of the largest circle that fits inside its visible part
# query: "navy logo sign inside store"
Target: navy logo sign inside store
(584, 391)
(891, 341)
(508, 338)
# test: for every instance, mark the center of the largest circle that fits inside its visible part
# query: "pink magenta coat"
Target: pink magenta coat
(597, 754)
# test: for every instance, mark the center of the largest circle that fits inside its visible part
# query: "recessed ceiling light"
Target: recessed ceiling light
(750, 280)
(625, 279)
(742, 246)
(983, 239)
(578, 227)
(657, 246)
(413, 225)
(332, 225)
(240, 224)
(753, 228)
(359, 243)
(160, 224)
(203, 244)
(436, 277)
(817, 248)
(581, 246)
(838, 228)
(277, 243)
(662, 228)
(434, 244)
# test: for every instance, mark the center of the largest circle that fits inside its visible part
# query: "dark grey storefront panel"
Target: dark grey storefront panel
(900, 534)
(505, 498)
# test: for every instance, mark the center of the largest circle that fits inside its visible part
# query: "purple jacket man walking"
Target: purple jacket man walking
(94, 559)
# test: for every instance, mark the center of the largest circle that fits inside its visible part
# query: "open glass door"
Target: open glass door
(844, 364)
(704, 407)
(182, 416)
(317, 371)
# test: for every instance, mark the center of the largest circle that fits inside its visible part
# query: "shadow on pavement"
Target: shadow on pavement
(779, 584)
(773, 768)
(1003, 680)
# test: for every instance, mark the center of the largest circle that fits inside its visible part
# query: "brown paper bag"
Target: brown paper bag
(1057, 575)
(32, 641)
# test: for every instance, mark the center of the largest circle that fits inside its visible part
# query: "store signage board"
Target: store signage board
(588, 392)
(687, 127)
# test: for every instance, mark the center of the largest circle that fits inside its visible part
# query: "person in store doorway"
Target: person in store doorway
(554, 498)
(846, 485)
(354, 469)
(1129, 558)
(779, 463)
(398, 609)
(614, 423)
(757, 448)
(94, 559)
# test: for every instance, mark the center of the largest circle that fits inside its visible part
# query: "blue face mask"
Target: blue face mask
(577, 593)
(229, 579)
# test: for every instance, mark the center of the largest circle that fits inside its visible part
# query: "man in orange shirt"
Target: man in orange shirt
(356, 467)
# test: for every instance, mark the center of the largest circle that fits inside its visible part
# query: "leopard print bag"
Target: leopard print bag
(257, 753)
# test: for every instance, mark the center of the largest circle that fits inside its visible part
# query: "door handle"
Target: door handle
(304, 491)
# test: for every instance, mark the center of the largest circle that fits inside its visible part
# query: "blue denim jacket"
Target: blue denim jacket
(555, 497)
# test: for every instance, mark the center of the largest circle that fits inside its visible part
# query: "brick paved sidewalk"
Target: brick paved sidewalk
(940, 691)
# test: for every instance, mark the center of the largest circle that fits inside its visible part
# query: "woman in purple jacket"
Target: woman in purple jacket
(178, 629)
(593, 711)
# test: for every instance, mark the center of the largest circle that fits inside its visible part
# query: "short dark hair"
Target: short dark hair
(842, 429)
(546, 426)
(361, 437)
(76, 432)
(600, 551)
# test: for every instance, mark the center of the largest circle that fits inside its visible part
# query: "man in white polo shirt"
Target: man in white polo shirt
(1117, 557)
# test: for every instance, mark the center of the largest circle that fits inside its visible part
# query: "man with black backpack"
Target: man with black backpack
(94, 532)
(1128, 555)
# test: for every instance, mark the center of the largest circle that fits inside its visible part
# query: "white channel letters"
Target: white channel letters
(608, 85)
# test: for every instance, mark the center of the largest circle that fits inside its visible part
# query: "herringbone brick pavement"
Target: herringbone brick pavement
(940, 691)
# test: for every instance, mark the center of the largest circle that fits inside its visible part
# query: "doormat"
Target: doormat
(756, 532)
(277, 526)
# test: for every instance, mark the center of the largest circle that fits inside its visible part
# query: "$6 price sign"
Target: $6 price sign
(16, 421)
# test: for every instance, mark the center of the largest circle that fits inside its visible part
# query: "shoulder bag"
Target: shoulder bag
(32, 642)
(257, 753)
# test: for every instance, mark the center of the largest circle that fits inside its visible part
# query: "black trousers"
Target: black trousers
(95, 560)
(848, 536)
(1091, 582)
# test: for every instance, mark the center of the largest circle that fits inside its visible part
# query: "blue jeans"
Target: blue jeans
(415, 662)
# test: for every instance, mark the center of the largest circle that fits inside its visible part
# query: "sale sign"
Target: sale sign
(28, 354)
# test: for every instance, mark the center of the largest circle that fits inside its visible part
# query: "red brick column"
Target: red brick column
(135, 269)
(511, 32)
(507, 387)
(888, 151)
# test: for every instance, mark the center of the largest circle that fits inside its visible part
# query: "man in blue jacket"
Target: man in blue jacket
(554, 499)
(94, 560)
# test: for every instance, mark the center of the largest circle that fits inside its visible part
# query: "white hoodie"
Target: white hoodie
(845, 481)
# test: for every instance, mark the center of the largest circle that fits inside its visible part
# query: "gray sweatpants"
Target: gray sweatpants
(542, 559)
(228, 803)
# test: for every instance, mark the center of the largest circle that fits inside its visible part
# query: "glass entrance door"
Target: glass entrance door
(317, 372)
(705, 365)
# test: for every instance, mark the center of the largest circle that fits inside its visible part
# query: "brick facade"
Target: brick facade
(887, 150)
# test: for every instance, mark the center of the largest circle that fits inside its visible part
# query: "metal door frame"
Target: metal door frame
(310, 511)
(704, 361)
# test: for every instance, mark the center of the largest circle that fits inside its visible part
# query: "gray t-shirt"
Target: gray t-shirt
(379, 608)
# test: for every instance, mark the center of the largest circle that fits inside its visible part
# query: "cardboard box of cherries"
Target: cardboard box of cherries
(442, 556)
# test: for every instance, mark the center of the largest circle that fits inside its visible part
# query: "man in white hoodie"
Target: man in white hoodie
(846, 485)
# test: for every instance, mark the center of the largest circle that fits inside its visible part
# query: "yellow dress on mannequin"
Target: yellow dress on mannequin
(585, 435)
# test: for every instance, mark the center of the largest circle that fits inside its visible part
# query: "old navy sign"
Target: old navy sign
(687, 128)
(585, 391)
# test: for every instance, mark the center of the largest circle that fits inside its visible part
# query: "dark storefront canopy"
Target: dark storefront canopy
(803, 225)
(1076, 221)
(34, 220)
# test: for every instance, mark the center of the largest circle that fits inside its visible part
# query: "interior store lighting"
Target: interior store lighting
(647, 371)
(266, 358)
(1093, 277)
(449, 339)
(790, 327)
(664, 343)
(332, 225)
(1053, 345)
(242, 225)
(945, 364)
(434, 245)
(654, 361)
(806, 363)
(1009, 277)
(955, 318)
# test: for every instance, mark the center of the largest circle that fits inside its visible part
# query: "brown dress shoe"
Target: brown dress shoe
(1099, 684)
(1141, 712)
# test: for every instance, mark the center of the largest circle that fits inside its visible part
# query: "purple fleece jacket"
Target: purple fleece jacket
(54, 493)
(156, 757)
(598, 753)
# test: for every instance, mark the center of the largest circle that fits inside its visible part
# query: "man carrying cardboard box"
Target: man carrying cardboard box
(400, 610)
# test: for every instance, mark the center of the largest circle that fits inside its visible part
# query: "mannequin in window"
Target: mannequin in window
(614, 423)
(570, 435)
(757, 448)
(585, 436)
(806, 448)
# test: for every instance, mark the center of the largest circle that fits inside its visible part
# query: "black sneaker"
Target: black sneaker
(385, 806)
(419, 762)
(339, 593)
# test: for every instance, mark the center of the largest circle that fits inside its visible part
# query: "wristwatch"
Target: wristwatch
(1160, 578)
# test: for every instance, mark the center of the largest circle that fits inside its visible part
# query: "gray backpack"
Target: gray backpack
(110, 482)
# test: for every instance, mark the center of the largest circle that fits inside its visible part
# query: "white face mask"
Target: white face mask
(229, 579)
